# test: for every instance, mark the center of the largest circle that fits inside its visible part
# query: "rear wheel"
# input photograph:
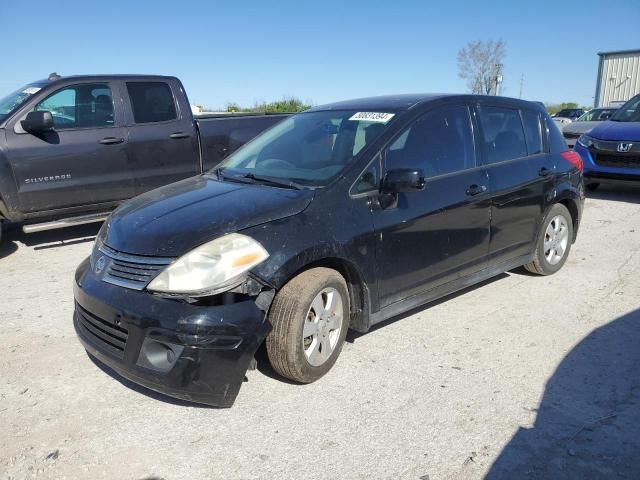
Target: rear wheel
(554, 242)
(310, 318)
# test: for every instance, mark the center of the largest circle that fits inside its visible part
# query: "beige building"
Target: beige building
(618, 77)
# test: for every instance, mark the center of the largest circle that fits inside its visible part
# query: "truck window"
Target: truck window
(151, 102)
(80, 106)
(438, 142)
(503, 134)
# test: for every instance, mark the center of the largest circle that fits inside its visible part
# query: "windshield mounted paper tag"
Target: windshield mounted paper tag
(377, 117)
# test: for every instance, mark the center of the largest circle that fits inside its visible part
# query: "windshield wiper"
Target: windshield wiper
(276, 182)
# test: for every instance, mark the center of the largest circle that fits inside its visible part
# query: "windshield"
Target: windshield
(569, 113)
(14, 100)
(597, 115)
(629, 112)
(308, 148)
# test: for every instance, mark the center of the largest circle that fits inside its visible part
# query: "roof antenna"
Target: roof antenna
(54, 76)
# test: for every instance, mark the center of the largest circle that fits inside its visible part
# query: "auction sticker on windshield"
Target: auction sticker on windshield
(31, 90)
(377, 117)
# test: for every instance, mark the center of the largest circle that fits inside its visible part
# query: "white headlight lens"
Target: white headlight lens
(212, 267)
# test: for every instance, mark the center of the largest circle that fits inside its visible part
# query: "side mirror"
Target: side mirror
(37, 122)
(403, 180)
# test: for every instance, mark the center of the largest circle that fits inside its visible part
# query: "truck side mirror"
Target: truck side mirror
(37, 122)
(403, 180)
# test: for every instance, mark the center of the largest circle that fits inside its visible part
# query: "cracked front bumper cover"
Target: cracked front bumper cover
(210, 347)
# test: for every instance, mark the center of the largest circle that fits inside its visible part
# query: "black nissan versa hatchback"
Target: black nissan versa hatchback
(339, 217)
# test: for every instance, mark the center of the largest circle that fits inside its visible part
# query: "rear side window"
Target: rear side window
(532, 131)
(438, 142)
(503, 134)
(80, 106)
(151, 102)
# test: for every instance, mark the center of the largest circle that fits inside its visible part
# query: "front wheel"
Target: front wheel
(554, 242)
(310, 318)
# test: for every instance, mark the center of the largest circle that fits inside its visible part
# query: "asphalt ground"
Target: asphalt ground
(520, 377)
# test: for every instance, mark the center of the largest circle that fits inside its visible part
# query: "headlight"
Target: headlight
(211, 268)
(585, 140)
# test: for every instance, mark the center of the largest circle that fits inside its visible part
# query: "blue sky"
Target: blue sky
(321, 51)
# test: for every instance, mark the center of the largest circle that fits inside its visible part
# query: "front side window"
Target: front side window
(438, 142)
(309, 148)
(80, 106)
(151, 102)
(502, 133)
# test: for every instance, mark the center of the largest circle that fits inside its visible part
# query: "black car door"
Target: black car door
(82, 161)
(162, 147)
(520, 177)
(430, 237)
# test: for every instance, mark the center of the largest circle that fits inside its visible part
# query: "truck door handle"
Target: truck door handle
(474, 190)
(544, 172)
(177, 135)
(111, 140)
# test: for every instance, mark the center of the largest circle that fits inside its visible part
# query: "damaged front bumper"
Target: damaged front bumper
(188, 351)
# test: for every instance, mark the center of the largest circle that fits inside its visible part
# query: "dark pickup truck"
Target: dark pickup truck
(72, 148)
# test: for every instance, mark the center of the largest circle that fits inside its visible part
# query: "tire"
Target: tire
(293, 313)
(556, 234)
(592, 187)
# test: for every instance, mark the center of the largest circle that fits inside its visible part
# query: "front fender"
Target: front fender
(8, 191)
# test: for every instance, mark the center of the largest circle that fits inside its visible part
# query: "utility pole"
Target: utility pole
(498, 78)
(521, 84)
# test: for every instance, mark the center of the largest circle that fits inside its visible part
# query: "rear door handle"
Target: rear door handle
(476, 190)
(544, 172)
(177, 135)
(111, 141)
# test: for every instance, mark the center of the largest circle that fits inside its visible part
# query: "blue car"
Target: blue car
(611, 151)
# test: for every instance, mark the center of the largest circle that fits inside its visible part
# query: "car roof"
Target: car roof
(404, 102)
(92, 78)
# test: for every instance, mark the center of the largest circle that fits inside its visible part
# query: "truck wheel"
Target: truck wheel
(554, 242)
(310, 318)
(592, 187)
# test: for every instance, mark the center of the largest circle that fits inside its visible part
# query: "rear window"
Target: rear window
(151, 102)
(503, 133)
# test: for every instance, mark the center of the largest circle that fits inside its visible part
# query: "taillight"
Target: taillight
(573, 158)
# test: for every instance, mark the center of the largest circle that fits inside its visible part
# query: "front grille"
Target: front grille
(617, 161)
(108, 334)
(131, 271)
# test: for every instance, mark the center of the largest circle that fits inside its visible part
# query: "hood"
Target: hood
(617, 131)
(580, 127)
(172, 220)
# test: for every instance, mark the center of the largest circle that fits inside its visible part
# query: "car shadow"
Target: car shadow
(352, 336)
(617, 193)
(262, 358)
(48, 239)
(587, 421)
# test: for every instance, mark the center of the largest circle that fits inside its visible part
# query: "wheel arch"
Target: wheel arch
(359, 294)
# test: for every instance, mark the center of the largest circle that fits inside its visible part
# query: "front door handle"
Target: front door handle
(474, 190)
(111, 141)
(177, 135)
(544, 172)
